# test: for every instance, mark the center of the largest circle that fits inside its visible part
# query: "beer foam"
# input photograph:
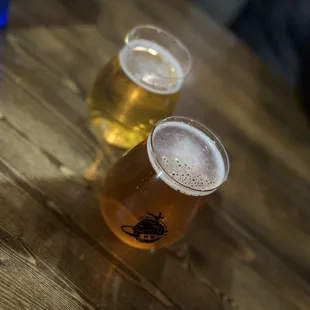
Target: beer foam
(151, 66)
(185, 158)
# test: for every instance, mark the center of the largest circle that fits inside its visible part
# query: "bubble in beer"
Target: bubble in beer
(190, 159)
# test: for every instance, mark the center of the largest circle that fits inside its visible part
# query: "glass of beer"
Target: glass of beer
(151, 195)
(138, 87)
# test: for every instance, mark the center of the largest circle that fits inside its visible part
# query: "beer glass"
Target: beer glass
(138, 87)
(153, 192)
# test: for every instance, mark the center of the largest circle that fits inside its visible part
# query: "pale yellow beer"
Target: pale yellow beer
(151, 195)
(134, 90)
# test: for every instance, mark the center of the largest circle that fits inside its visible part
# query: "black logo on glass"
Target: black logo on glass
(148, 230)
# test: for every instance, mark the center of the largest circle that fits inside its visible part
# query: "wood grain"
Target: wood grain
(248, 249)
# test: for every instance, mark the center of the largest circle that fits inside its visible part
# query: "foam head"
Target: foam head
(151, 66)
(186, 158)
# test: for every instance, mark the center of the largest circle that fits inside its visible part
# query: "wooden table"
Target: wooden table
(248, 249)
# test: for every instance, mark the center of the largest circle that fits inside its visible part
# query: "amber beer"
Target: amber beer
(151, 195)
(138, 87)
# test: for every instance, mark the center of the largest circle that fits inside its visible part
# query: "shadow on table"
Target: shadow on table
(67, 241)
(53, 13)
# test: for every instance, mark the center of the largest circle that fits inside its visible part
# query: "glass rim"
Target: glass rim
(175, 39)
(205, 130)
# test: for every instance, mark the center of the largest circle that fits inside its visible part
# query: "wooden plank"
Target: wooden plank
(75, 207)
(32, 107)
(78, 212)
(231, 259)
(42, 258)
(240, 254)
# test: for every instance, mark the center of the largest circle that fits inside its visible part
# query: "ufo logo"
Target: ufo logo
(148, 230)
